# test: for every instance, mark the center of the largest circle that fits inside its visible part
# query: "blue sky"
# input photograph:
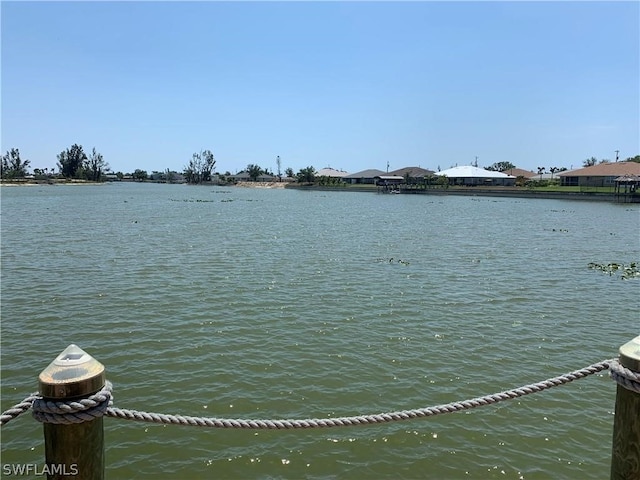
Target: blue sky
(351, 85)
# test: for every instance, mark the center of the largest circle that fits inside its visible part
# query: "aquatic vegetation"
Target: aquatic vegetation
(191, 200)
(392, 260)
(626, 271)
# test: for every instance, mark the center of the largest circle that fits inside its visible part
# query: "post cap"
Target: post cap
(74, 373)
(630, 354)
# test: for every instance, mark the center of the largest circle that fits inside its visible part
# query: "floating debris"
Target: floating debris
(392, 260)
(626, 271)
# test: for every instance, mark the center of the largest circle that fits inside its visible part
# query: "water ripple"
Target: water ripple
(289, 304)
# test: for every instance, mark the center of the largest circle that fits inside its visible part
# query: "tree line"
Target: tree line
(590, 162)
(75, 163)
(72, 163)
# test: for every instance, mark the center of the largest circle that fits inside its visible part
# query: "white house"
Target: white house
(470, 175)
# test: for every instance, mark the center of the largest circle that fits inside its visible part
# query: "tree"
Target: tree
(590, 162)
(200, 167)
(254, 172)
(633, 159)
(208, 165)
(140, 175)
(12, 166)
(95, 166)
(442, 181)
(71, 161)
(553, 170)
(541, 171)
(306, 175)
(289, 172)
(501, 167)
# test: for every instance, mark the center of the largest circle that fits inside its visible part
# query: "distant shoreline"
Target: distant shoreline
(50, 182)
(479, 191)
(261, 184)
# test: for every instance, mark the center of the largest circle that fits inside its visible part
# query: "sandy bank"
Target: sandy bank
(40, 183)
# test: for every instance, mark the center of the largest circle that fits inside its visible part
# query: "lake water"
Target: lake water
(267, 304)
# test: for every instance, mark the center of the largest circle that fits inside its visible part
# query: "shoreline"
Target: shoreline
(50, 182)
(261, 184)
(504, 192)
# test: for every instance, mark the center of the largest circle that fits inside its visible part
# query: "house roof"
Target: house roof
(469, 171)
(414, 172)
(371, 173)
(331, 172)
(608, 169)
(520, 172)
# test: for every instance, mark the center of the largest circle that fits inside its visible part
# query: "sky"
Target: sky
(348, 85)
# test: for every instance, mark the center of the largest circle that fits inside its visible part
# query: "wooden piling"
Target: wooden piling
(73, 451)
(625, 457)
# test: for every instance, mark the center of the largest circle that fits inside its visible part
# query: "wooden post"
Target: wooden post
(625, 457)
(73, 451)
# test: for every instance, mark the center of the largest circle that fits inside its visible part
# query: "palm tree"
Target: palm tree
(541, 171)
(254, 171)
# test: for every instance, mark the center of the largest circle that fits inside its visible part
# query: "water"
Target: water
(266, 304)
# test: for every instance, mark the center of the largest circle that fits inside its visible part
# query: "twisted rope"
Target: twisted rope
(100, 404)
(70, 412)
(18, 409)
(357, 420)
(625, 377)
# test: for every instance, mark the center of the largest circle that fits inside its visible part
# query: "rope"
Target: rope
(67, 413)
(357, 420)
(18, 409)
(100, 404)
(625, 377)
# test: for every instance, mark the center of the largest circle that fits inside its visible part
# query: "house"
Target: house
(413, 174)
(469, 175)
(331, 172)
(364, 177)
(239, 177)
(600, 175)
(244, 177)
